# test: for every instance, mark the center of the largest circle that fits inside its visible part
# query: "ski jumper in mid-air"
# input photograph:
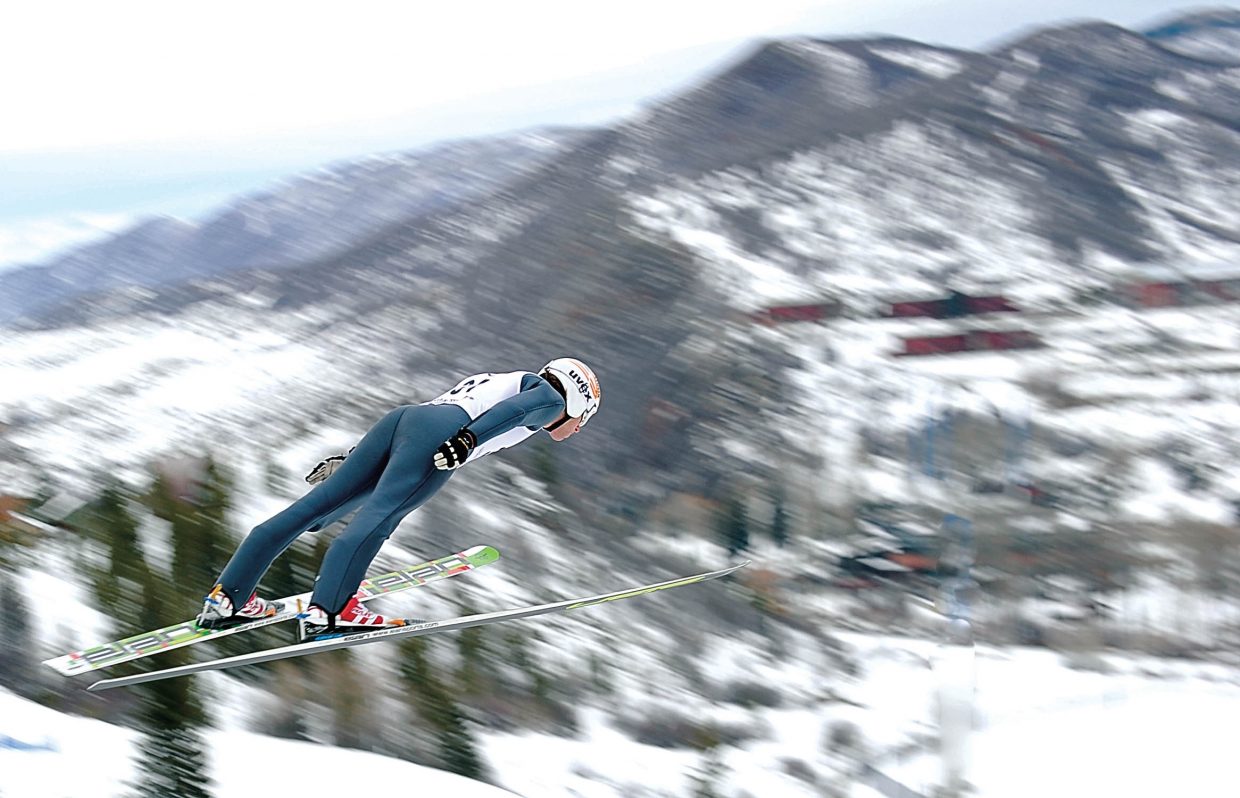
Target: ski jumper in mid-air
(401, 462)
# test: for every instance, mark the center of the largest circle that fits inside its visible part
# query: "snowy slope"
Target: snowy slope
(1141, 727)
(1130, 726)
(93, 758)
(840, 221)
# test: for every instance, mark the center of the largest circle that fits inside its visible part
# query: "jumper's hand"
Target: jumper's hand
(324, 469)
(452, 453)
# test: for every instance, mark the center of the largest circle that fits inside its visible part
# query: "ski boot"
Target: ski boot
(218, 613)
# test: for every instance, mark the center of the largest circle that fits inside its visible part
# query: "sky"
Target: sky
(113, 111)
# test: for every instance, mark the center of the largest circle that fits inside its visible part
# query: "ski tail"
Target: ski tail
(189, 632)
(412, 630)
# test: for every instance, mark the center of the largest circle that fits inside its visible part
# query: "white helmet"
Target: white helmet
(581, 392)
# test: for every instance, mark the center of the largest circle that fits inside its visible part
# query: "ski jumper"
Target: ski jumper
(389, 475)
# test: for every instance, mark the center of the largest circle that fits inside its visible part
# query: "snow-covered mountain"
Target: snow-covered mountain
(1209, 34)
(304, 219)
(1051, 170)
(1054, 165)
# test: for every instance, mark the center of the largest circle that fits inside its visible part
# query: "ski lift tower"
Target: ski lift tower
(955, 664)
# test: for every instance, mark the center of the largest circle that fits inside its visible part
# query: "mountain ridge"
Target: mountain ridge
(560, 259)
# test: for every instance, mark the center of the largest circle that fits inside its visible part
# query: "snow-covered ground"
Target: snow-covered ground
(1150, 728)
(1139, 727)
(1144, 727)
(47, 754)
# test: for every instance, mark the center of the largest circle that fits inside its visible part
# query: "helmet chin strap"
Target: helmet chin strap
(567, 418)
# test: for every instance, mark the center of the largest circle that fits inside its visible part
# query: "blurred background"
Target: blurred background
(929, 310)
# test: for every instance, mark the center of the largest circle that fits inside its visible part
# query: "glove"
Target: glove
(451, 453)
(326, 468)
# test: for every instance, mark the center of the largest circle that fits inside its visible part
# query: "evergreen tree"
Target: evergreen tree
(542, 687)
(285, 716)
(600, 675)
(708, 775)
(545, 466)
(172, 763)
(118, 586)
(277, 479)
(474, 676)
(162, 497)
(347, 700)
(212, 506)
(457, 747)
(172, 760)
(434, 704)
(186, 563)
(733, 526)
(293, 571)
(779, 522)
(16, 641)
(201, 542)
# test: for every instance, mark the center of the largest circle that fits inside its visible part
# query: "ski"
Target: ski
(188, 632)
(413, 630)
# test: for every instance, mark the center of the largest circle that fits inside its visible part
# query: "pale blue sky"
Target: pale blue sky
(130, 108)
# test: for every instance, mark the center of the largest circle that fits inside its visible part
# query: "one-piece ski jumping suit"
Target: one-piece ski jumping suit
(389, 475)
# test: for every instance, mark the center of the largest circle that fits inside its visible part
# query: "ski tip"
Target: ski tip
(481, 555)
(108, 684)
(62, 665)
(69, 665)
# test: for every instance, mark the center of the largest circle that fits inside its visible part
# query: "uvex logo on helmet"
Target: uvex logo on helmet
(588, 385)
(581, 387)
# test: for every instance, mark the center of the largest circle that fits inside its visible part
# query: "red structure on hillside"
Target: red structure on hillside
(1180, 293)
(954, 305)
(815, 311)
(970, 341)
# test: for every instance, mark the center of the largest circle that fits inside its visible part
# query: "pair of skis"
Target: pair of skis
(188, 632)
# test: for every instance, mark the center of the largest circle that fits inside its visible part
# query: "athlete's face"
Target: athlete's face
(565, 430)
